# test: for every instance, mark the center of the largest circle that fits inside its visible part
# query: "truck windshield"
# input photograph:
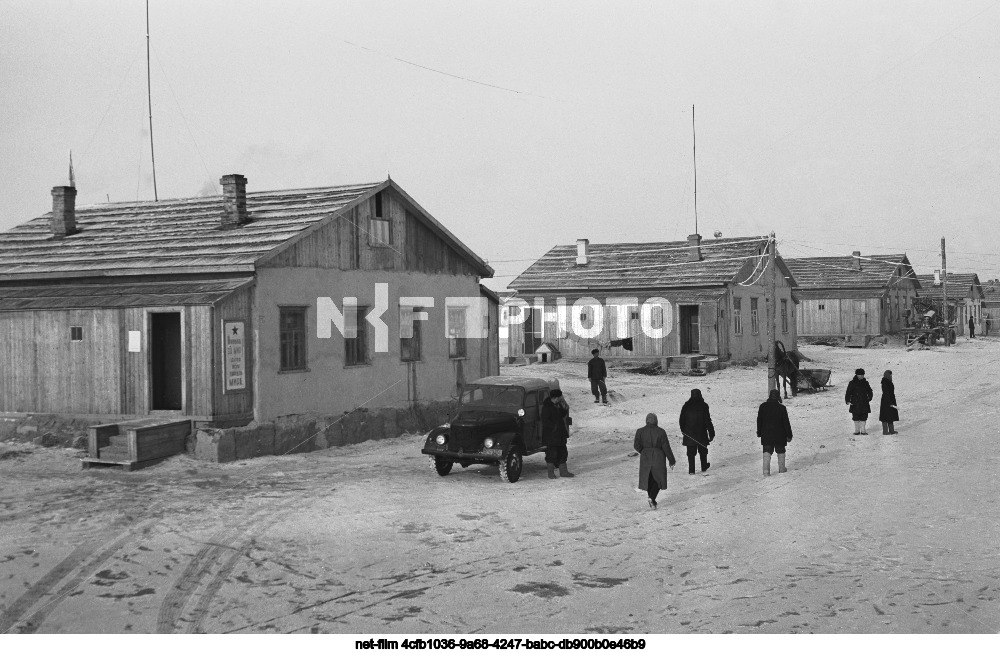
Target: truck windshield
(491, 395)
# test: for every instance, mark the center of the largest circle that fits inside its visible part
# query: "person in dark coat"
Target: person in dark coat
(597, 371)
(696, 425)
(654, 452)
(887, 412)
(555, 433)
(859, 394)
(774, 430)
(972, 327)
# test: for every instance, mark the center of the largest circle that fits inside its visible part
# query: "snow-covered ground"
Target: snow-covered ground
(869, 534)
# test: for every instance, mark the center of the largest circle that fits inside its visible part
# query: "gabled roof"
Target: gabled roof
(623, 266)
(959, 285)
(184, 235)
(838, 272)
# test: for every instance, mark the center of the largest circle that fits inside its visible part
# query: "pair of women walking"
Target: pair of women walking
(858, 398)
(654, 447)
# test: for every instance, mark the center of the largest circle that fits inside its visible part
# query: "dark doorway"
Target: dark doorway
(689, 330)
(165, 360)
(532, 331)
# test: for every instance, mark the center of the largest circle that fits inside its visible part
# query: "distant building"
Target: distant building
(713, 300)
(208, 307)
(991, 306)
(965, 298)
(853, 296)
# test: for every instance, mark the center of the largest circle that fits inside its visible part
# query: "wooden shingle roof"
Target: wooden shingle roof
(624, 266)
(960, 286)
(185, 235)
(839, 272)
(70, 296)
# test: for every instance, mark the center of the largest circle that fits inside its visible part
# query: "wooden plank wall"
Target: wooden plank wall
(237, 306)
(134, 389)
(346, 244)
(42, 370)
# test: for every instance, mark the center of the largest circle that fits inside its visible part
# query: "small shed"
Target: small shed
(855, 296)
(547, 353)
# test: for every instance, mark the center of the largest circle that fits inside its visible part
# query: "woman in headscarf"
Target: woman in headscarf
(654, 453)
(887, 412)
(696, 425)
(859, 394)
(774, 430)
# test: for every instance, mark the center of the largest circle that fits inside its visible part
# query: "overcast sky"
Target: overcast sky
(839, 125)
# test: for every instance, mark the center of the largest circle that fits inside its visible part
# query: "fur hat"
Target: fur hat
(651, 419)
(859, 372)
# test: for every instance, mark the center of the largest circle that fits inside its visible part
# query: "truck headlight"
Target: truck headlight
(488, 443)
(441, 439)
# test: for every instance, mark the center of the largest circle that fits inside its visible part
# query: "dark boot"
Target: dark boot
(552, 470)
(892, 430)
(564, 472)
(885, 428)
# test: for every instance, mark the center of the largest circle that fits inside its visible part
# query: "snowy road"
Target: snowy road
(868, 534)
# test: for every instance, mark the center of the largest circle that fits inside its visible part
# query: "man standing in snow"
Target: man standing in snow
(774, 430)
(972, 327)
(597, 371)
(696, 425)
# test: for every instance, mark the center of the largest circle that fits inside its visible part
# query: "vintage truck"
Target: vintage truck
(498, 422)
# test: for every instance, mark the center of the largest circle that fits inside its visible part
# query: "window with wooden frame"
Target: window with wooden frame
(356, 350)
(379, 227)
(457, 346)
(292, 338)
(754, 317)
(76, 333)
(738, 316)
(409, 348)
(784, 316)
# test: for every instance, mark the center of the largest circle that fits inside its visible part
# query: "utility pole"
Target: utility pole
(769, 302)
(149, 99)
(944, 296)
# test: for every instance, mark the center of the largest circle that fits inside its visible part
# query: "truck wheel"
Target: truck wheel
(510, 466)
(441, 466)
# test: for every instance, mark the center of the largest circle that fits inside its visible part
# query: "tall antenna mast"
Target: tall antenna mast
(694, 154)
(149, 99)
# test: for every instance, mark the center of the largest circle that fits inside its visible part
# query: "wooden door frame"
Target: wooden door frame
(147, 327)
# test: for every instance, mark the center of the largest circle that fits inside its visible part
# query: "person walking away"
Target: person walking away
(859, 394)
(774, 430)
(972, 327)
(597, 371)
(555, 433)
(654, 453)
(887, 412)
(696, 425)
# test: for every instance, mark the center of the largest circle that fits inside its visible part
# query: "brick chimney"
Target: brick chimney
(63, 211)
(581, 251)
(694, 247)
(234, 200)
(856, 263)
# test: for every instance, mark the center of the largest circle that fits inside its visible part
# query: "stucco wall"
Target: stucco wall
(329, 386)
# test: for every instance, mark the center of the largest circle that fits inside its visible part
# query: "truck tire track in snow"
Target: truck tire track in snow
(83, 560)
(228, 546)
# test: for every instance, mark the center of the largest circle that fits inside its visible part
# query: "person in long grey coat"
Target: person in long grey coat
(654, 452)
